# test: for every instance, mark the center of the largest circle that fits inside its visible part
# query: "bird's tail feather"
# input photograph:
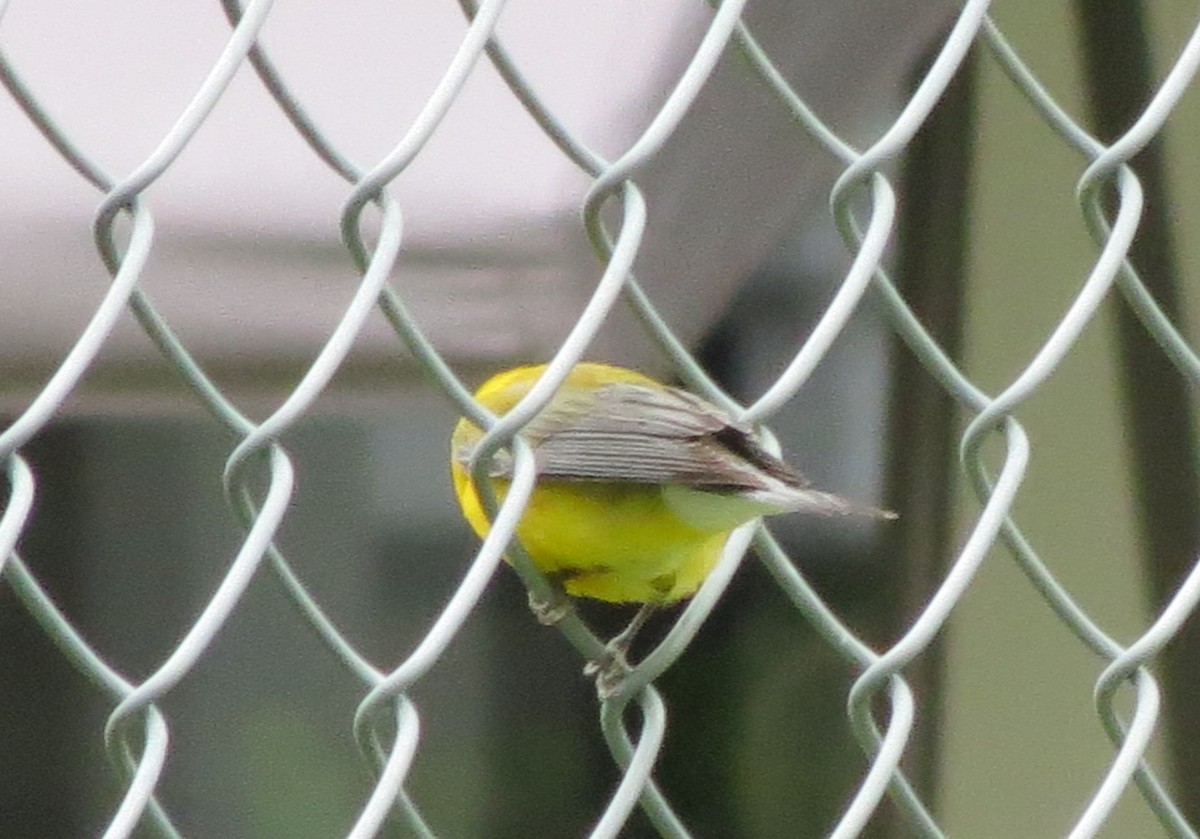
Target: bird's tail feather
(816, 502)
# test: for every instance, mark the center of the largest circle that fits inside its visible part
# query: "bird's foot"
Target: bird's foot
(611, 668)
(613, 665)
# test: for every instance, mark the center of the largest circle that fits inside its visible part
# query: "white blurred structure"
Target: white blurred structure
(247, 264)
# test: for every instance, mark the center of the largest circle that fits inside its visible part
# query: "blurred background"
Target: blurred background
(131, 533)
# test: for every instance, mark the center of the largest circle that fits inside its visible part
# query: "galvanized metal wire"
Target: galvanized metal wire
(387, 723)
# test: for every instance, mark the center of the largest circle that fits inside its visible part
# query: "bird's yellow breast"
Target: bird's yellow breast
(617, 542)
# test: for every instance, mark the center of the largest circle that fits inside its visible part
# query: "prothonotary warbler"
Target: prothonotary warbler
(639, 484)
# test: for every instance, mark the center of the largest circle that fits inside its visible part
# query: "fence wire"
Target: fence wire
(863, 202)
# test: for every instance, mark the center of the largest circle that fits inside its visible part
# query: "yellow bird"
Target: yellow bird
(639, 484)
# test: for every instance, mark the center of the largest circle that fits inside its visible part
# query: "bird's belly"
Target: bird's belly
(616, 542)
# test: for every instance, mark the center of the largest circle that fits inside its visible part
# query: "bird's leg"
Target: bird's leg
(553, 608)
(612, 665)
(620, 643)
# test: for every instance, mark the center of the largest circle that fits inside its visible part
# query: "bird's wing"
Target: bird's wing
(630, 432)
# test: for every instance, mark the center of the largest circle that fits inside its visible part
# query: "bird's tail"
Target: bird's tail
(815, 502)
(826, 503)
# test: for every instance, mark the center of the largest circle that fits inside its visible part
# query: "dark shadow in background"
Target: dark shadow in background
(924, 421)
(45, 721)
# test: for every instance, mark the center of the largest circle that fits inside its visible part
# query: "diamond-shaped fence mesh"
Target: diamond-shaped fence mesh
(259, 476)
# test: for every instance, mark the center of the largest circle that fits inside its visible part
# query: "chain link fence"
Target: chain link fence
(259, 475)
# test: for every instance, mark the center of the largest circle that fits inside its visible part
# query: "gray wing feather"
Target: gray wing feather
(634, 433)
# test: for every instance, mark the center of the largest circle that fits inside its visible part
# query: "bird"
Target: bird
(639, 484)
